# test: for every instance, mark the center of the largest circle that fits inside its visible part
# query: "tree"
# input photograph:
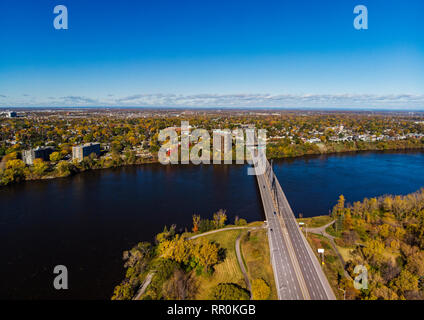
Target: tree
(260, 289)
(124, 291)
(164, 269)
(241, 222)
(338, 212)
(350, 237)
(415, 263)
(390, 271)
(385, 293)
(55, 156)
(178, 249)
(138, 256)
(130, 157)
(229, 291)
(181, 286)
(219, 218)
(14, 172)
(166, 234)
(206, 225)
(339, 208)
(374, 250)
(406, 281)
(116, 147)
(63, 168)
(40, 167)
(65, 149)
(206, 253)
(196, 223)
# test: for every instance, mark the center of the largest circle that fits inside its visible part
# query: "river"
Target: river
(85, 222)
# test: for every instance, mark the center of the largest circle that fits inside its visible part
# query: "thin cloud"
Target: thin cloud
(268, 100)
(79, 100)
(239, 100)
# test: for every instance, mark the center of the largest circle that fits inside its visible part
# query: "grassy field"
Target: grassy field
(255, 251)
(345, 252)
(330, 230)
(315, 222)
(333, 268)
(250, 224)
(227, 271)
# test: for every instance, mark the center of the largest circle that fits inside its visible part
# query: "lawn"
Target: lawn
(227, 271)
(333, 266)
(315, 222)
(255, 251)
(345, 252)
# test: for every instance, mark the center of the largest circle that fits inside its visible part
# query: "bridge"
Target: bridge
(297, 272)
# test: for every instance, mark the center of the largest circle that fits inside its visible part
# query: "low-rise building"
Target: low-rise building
(314, 140)
(84, 150)
(28, 156)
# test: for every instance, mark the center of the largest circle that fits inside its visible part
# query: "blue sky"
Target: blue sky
(207, 53)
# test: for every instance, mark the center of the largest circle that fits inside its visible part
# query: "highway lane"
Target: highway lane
(295, 264)
(315, 279)
(288, 287)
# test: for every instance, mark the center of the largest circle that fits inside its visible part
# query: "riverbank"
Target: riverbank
(383, 236)
(280, 150)
(232, 262)
(18, 172)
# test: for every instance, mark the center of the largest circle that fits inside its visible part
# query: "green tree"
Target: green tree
(166, 234)
(229, 291)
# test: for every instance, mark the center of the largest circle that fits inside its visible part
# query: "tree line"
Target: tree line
(386, 234)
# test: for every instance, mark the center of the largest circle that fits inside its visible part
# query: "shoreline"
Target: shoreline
(294, 157)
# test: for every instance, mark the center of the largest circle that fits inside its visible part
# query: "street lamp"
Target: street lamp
(301, 224)
(322, 255)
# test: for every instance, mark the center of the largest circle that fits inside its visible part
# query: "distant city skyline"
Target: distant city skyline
(256, 54)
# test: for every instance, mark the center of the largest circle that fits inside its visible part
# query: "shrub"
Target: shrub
(229, 291)
(164, 268)
(241, 222)
(260, 289)
(206, 225)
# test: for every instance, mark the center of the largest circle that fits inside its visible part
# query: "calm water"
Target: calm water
(85, 222)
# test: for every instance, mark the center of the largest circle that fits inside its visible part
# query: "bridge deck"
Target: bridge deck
(297, 272)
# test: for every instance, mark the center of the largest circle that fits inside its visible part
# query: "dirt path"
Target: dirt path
(321, 231)
(220, 230)
(242, 267)
(144, 286)
(238, 252)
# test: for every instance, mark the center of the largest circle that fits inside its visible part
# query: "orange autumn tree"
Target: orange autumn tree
(196, 222)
